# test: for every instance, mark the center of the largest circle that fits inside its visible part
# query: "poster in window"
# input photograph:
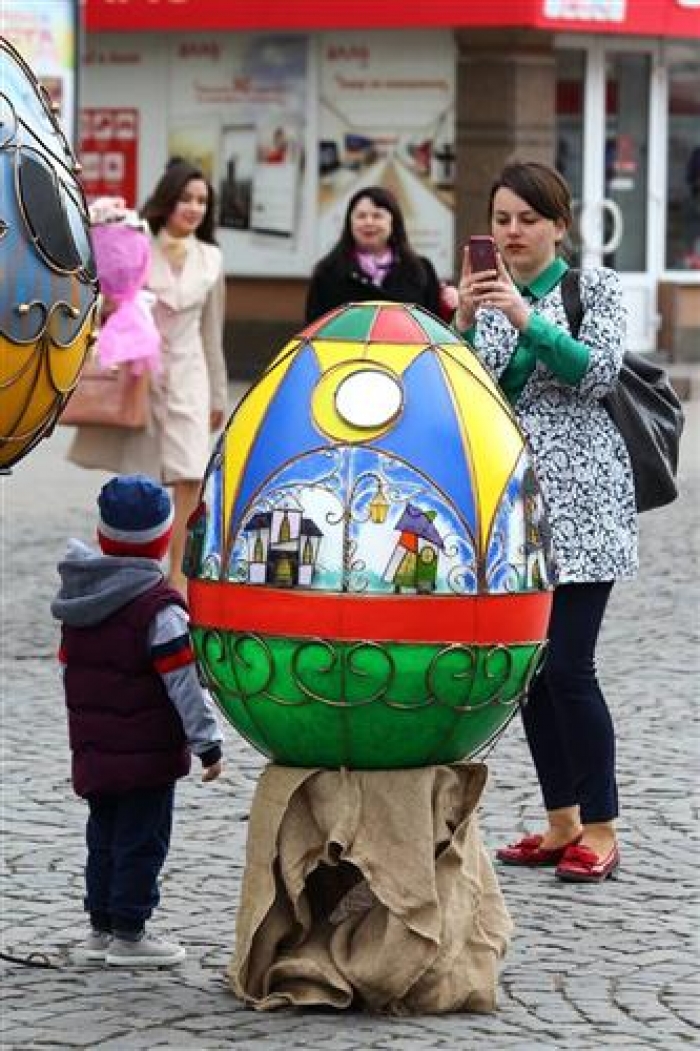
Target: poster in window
(45, 36)
(254, 90)
(238, 145)
(387, 117)
(198, 143)
(276, 179)
(108, 150)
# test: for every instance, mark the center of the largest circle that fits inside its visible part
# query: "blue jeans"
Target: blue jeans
(128, 836)
(567, 722)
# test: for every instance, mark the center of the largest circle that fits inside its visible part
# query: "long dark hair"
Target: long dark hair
(544, 189)
(168, 191)
(398, 241)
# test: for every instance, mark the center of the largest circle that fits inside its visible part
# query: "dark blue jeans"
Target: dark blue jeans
(567, 722)
(128, 836)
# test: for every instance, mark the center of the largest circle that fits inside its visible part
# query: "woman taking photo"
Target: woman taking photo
(372, 260)
(189, 390)
(514, 317)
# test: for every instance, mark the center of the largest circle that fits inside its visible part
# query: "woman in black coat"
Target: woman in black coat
(372, 260)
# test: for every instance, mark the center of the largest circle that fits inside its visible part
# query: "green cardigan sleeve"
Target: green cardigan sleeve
(561, 353)
(468, 334)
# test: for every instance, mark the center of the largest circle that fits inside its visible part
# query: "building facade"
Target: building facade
(290, 108)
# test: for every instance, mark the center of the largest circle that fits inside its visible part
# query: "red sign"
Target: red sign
(679, 18)
(108, 150)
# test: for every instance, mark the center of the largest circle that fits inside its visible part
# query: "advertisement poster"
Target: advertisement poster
(45, 36)
(237, 107)
(109, 139)
(387, 117)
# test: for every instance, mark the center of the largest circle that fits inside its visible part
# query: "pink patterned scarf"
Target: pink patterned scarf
(375, 266)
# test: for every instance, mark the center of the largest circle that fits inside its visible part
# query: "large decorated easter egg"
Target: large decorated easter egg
(369, 567)
(48, 291)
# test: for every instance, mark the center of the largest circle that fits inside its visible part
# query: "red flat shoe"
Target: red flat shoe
(582, 865)
(528, 852)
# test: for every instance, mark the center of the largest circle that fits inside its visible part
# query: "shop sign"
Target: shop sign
(660, 18)
(651, 17)
(586, 10)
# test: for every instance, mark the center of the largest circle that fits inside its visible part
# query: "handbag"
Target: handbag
(645, 409)
(108, 397)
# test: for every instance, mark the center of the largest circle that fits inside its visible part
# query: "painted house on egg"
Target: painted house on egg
(283, 548)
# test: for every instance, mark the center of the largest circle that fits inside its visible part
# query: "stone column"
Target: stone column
(505, 109)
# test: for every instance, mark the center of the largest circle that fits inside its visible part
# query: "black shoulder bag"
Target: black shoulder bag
(645, 409)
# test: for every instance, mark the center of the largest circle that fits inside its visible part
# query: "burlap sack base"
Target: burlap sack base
(369, 889)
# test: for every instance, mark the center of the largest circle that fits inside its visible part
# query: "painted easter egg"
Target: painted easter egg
(48, 292)
(369, 566)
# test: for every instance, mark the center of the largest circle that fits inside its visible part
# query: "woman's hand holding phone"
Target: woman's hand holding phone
(475, 279)
(483, 255)
(483, 285)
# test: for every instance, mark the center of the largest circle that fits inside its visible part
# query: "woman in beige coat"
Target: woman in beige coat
(188, 394)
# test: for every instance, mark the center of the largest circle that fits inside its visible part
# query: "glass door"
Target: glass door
(683, 159)
(626, 161)
(605, 141)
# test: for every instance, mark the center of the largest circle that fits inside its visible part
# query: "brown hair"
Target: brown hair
(168, 191)
(544, 189)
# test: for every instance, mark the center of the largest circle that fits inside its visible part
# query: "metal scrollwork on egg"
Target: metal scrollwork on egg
(369, 567)
(48, 292)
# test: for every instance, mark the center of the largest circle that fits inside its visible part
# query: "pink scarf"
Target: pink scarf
(375, 266)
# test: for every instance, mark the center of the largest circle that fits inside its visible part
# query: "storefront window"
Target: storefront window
(571, 66)
(683, 199)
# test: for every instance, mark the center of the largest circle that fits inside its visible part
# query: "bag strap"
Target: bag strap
(571, 298)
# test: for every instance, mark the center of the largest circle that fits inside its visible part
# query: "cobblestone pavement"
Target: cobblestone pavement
(589, 967)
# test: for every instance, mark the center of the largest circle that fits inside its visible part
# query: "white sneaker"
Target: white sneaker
(93, 949)
(148, 951)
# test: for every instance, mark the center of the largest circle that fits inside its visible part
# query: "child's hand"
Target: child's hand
(210, 773)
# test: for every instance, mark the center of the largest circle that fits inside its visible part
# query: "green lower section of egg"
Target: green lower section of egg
(364, 705)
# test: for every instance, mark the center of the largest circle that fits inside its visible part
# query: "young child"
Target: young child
(136, 710)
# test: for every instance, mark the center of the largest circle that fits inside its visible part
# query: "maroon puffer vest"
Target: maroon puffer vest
(124, 730)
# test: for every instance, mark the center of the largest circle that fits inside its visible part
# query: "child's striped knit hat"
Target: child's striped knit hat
(136, 517)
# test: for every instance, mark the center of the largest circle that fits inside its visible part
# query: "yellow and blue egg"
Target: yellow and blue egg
(48, 291)
(370, 573)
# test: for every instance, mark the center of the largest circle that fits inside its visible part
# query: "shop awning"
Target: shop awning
(671, 18)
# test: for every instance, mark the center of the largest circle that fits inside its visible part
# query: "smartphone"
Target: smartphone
(482, 253)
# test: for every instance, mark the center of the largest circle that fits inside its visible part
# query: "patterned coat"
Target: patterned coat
(579, 455)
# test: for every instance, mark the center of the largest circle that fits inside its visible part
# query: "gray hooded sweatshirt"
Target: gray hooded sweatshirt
(94, 586)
